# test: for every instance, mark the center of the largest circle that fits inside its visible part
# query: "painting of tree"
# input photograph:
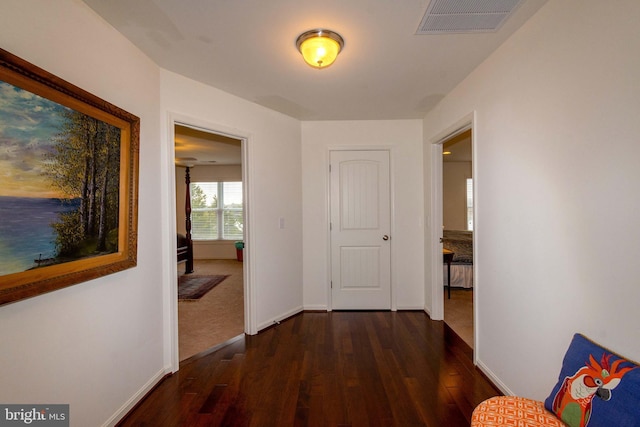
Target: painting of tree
(84, 165)
(68, 183)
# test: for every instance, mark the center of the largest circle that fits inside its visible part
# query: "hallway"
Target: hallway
(337, 368)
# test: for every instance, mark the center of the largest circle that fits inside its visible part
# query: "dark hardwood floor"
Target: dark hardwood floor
(326, 369)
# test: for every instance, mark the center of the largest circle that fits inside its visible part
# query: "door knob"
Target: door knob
(385, 237)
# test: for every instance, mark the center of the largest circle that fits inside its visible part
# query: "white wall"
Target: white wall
(404, 138)
(274, 186)
(96, 344)
(454, 194)
(556, 155)
(210, 249)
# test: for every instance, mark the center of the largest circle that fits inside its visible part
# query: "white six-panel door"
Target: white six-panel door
(360, 230)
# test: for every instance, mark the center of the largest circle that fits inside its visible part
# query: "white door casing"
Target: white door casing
(360, 230)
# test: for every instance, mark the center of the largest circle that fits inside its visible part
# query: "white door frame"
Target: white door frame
(437, 289)
(170, 282)
(390, 149)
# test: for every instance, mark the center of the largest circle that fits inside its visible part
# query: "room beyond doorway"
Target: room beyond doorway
(457, 226)
(210, 216)
(216, 317)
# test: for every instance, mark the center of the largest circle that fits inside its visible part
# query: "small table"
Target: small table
(448, 257)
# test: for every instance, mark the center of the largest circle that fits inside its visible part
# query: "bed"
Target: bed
(460, 242)
(185, 252)
(184, 242)
(183, 248)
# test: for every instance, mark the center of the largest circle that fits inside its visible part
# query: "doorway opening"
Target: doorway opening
(457, 234)
(210, 223)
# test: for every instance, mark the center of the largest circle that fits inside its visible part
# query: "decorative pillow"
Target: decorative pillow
(596, 388)
(460, 243)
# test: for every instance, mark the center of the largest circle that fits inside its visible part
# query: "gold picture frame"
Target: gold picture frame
(68, 183)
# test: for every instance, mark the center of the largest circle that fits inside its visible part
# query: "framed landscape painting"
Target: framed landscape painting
(68, 183)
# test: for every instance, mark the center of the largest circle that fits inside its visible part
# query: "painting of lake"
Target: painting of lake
(26, 234)
(59, 183)
(68, 183)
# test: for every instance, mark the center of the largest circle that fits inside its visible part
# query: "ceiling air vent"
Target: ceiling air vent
(466, 16)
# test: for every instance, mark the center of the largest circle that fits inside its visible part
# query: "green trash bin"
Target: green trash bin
(239, 249)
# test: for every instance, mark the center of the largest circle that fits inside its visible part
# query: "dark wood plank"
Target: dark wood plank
(326, 369)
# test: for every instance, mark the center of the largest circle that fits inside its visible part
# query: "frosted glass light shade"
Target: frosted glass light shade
(319, 48)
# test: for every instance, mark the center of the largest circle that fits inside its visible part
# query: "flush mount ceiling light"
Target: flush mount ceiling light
(319, 47)
(185, 161)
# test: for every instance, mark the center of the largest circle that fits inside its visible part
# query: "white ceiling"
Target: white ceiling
(459, 147)
(194, 147)
(247, 48)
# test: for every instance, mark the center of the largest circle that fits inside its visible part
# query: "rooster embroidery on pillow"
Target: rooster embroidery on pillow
(573, 402)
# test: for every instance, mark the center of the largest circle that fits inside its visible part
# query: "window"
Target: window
(470, 204)
(216, 210)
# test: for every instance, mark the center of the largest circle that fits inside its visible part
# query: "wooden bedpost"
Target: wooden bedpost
(188, 268)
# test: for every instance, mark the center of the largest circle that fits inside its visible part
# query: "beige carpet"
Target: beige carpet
(218, 315)
(458, 313)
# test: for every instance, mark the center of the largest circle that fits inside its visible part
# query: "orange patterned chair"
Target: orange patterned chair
(595, 387)
(513, 411)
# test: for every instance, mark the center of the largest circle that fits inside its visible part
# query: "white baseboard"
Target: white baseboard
(133, 401)
(279, 318)
(426, 310)
(494, 378)
(316, 307)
